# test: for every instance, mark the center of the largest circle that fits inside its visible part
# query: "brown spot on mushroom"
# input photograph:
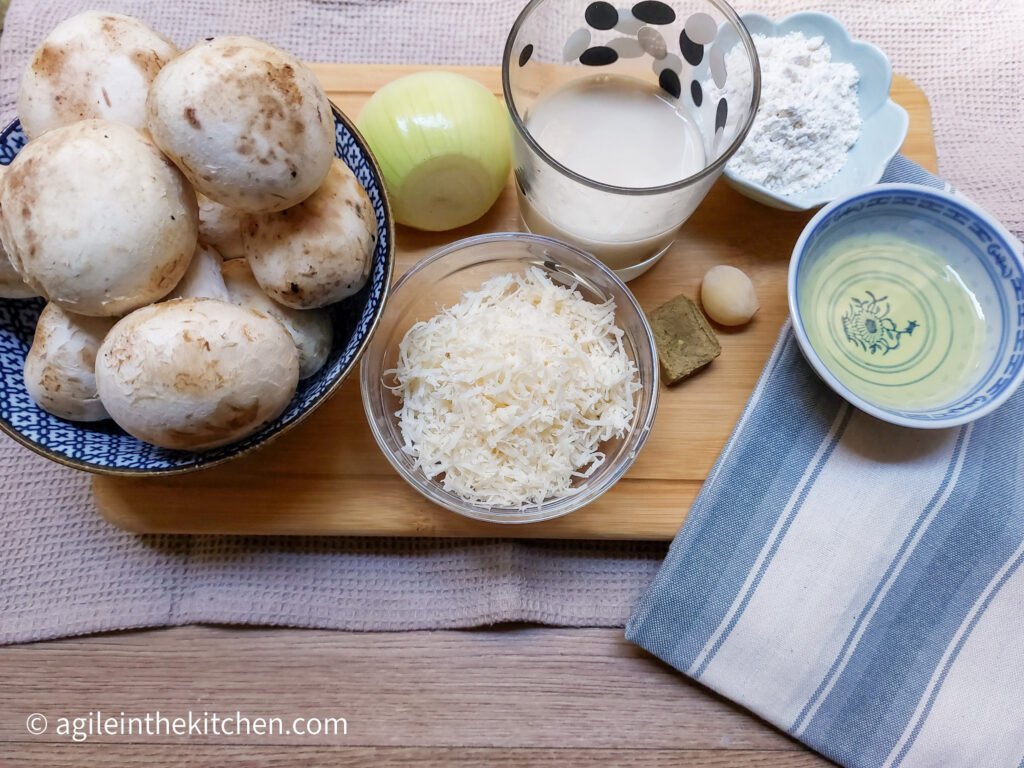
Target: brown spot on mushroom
(168, 275)
(185, 381)
(282, 78)
(270, 107)
(242, 416)
(107, 26)
(149, 63)
(190, 116)
(49, 61)
(106, 96)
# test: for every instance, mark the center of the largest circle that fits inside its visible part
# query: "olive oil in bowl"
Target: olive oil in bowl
(894, 321)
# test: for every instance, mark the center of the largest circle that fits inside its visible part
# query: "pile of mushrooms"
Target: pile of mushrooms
(187, 222)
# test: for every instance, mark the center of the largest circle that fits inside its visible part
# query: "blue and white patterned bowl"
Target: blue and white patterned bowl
(884, 122)
(909, 303)
(103, 447)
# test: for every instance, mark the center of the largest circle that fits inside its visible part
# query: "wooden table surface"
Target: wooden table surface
(509, 696)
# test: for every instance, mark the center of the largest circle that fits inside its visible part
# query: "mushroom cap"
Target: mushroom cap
(11, 284)
(60, 368)
(310, 329)
(220, 227)
(193, 374)
(318, 252)
(93, 65)
(247, 123)
(96, 219)
(202, 279)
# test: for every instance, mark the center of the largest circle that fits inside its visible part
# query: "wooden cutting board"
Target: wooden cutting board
(327, 475)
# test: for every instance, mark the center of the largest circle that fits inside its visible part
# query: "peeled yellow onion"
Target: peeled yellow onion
(442, 143)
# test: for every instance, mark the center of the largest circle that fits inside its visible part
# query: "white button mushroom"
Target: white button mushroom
(728, 295)
(11, 284)
(60, 368)
(196, 373)
(95, 64)
(309, 328)
(220, 227)
(96, 219)
(248, 124)
(318, 252)
(203, 280)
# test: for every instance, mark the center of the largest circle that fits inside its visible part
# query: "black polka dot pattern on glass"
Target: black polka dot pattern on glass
(654, 12)
(652, 42)
(721, 114)
(598, 56)
(601, 15)
(717, 64)
(671, 61)
(626, 47)
(669, 81)
(692, 52)
(696, 93)
(628, 23)
(525, 54)
(576, 44)
(701, 28)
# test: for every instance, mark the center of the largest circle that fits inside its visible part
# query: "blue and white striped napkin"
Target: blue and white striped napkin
(857, 584)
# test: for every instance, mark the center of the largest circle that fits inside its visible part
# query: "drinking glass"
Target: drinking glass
(678, 48)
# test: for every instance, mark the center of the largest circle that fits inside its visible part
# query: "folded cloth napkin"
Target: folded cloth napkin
(857, 584)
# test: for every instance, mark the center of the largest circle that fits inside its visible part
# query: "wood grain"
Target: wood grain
(509, 696)
(145, 756)
(328, 476)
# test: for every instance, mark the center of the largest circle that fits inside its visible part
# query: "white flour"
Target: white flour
(807, 120)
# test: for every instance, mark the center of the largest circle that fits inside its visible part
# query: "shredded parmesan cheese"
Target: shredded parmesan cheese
(508, 395)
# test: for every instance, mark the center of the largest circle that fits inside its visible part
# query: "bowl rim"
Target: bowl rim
(818, 364)
(100, 469)
(783, 202)
(449, 501)
(708, 171)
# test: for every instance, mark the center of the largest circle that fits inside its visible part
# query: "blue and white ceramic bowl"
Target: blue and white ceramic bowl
(909, 303)
(103, 447)
(884, 125)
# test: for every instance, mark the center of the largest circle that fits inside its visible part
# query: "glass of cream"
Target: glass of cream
(620, 122)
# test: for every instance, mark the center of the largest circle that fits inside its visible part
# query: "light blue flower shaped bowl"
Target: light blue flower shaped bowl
(912, 352)
(884, 125)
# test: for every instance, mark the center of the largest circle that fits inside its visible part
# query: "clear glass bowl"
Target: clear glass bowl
(439, 281)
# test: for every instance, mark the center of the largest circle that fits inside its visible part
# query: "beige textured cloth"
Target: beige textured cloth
(64, 571)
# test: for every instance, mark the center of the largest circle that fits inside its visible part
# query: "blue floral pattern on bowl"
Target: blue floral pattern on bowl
(981, 250)
(102, 446)
(868, 325)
